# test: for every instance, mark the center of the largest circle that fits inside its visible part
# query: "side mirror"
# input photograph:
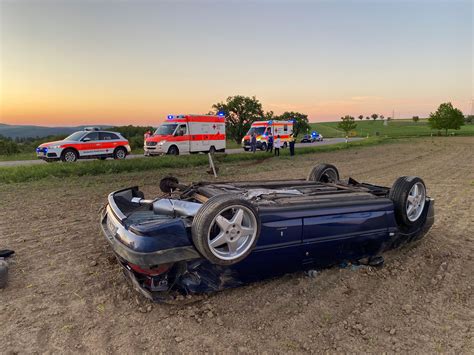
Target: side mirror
(86, 139)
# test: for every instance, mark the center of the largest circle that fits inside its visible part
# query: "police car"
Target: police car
(91, 143)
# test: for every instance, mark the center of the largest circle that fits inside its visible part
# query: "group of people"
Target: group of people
(273, 144)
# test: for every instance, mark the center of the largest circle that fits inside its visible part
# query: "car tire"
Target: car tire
(285, 145)
(226, 228)
(246, 149)
(69, 156)
(173, 150)
(212, 150)
(327, 173)
(120, 153)
(263, 147)
(408, 194)
(168, 184)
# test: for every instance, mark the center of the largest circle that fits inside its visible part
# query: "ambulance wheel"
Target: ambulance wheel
(225, 229)
(69, 156)
(246, 149)
(120, 153)
(212, 150)
(285, 145)
(263, 147)
(173, 150)
(324, 173)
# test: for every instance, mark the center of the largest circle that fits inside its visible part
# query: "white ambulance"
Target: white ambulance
(188, 134)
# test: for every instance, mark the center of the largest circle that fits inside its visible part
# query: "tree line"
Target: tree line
(444, 118)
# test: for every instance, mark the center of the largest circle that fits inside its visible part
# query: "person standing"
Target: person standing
(270, 142)
(277, 145)
(292, 145)
(253, 142)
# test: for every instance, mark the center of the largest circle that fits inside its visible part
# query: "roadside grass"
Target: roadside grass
(20, 174)
(230, 144)
(394, 129)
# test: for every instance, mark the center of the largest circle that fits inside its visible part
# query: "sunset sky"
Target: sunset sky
(134, 62)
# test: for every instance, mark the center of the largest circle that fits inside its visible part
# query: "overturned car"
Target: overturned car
(208, 236)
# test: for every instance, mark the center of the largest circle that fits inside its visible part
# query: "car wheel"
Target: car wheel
(285, 145)
(408, 194)
(246, 149)
(226, 229)
(212, 150)
(263, 146)
(168, 184)
(324, 173)
(120, 153)
(69, 156)
(173, 150)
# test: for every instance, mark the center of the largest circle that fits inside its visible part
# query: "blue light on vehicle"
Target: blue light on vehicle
(170, 117)
(221, 114)
(270, 122)
(37, 150)
(45, 150)
(314, 134)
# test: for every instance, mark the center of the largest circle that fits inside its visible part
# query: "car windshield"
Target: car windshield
(257, 130)
(165, 129)
(76, 136)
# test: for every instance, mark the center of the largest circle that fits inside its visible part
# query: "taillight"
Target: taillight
(158, 270)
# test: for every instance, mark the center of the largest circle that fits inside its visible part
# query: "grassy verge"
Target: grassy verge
(62, 170)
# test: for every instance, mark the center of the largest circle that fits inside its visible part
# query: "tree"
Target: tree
(382, 117)
(367, 118)
(269, 115)
(415, 118)
(240, 112)
(374, 116)
(446, 117)
(361, 117)
(300, 121)
(347, 124)
(469, 119)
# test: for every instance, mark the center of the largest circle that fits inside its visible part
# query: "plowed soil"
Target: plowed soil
(66, 293)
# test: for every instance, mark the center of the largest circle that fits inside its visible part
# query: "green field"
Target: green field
(59, 170)
(394, 129)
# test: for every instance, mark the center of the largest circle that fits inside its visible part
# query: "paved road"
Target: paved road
(327, 141)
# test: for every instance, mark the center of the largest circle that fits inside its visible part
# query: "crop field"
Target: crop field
(66, 292)
(394, 129)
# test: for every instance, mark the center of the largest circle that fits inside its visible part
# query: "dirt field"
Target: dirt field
(67, 294)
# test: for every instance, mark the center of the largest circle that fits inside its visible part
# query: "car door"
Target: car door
(89, 145)
(108, 142)
(343, 233)
(181, 137)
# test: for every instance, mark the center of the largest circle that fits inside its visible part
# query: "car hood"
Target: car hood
(158, 138)
(47, 144)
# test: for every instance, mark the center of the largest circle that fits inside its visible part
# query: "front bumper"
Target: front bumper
(48, 153)
(153, 150)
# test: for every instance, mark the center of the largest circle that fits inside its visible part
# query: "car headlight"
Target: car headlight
(54, 147)
(162, 142)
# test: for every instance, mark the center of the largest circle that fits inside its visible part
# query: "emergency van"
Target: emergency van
(187, 134)
(284, 129)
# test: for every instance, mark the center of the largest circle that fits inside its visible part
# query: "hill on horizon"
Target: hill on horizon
(24, 131)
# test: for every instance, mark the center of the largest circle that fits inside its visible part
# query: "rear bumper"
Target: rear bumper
(113, 229)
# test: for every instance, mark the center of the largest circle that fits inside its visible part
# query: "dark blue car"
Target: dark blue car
(209, 236)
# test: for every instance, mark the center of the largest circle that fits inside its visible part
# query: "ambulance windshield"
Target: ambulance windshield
(166, 129)
(257, 130)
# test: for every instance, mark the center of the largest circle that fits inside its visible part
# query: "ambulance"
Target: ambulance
(187, 134)
(284, 129)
